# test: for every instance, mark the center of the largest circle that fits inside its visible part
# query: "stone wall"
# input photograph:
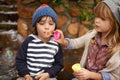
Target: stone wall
(8, 21)
(8, 14)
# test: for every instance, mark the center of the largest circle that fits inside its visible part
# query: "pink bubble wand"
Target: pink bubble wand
(56, 35)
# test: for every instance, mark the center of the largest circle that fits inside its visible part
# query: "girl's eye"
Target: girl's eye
(103, 19)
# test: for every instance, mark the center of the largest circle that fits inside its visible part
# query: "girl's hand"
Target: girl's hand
(43, 76)
(83, 74)
(28, 77)
(61, 39)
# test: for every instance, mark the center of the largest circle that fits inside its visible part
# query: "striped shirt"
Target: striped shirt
(35, 57)
(40, 55)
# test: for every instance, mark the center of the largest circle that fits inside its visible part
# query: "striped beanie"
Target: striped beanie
(44, 10)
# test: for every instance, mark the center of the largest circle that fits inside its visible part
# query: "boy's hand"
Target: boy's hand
(28, 77)
(43, 76)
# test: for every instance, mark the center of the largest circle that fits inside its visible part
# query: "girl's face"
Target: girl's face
(45, 27)
(102, 25)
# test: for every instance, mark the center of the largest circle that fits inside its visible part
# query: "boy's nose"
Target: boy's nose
(46, 26)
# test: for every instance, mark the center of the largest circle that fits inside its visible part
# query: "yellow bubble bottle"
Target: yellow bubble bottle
(76, 67)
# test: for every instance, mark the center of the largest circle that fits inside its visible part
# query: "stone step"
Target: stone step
(8, 25)
(8, 7)
(6, 16)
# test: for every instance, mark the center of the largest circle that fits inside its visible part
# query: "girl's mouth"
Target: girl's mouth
(95, 25)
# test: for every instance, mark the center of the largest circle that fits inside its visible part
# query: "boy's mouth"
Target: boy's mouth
(48, 33)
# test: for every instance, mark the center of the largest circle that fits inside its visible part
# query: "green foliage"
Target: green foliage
(87, 15)
(61, 2)
(58, 2)
(79, 1)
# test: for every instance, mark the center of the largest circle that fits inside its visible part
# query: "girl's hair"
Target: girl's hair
(113, 37)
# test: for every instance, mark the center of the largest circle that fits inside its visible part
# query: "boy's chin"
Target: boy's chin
(47, 37)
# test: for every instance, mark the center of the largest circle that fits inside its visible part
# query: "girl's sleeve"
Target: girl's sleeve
(69, 45)
(114, 75)
(106, 76)
(21, 64)
(78, 42)
(112, 69)
(57, 65)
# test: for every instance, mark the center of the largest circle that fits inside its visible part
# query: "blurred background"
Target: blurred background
(75, 18)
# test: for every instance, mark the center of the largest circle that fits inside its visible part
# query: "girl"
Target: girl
(39, 56)
(101, 56)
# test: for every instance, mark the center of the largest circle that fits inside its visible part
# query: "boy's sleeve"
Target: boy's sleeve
(21, 64)
(57, 65)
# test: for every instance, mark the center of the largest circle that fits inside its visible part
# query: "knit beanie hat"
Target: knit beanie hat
(114, 5)
(44, 10)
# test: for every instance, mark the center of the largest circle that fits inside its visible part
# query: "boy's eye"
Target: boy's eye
(41, 23)
(51, 23)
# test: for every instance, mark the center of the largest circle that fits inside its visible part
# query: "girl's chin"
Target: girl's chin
(98, 30)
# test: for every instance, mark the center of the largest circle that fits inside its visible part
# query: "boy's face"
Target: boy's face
(45, 27)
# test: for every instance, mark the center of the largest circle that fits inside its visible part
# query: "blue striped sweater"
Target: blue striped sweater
(35, 57)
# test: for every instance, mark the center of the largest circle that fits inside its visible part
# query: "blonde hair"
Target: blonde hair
(103, 11)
